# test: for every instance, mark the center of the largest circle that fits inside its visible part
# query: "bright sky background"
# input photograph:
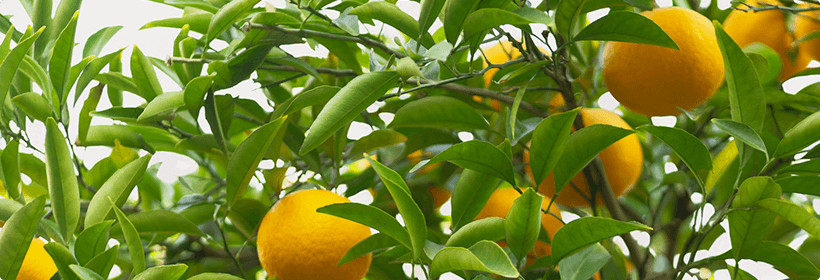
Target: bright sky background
(156, 42)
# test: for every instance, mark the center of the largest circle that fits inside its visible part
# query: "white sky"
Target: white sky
(156, 42)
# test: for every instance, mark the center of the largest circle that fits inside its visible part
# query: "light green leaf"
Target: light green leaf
(749, 227)
(439, 112)
(117, 188)
(62, 259)
(351, 100)
(160, 221)
(743, 133)
(626, 27)
(162, 106)
(471, 193)
(306, 98)
(85, 273)
(194, 93)
(566, 14)
(370, 244)
(782, 257)
(132, 239)
(488, 18)
(62, 183)
(799, 136)
(16, 238)
(485, 256)
(455, 12)
(89, 105)
(34, 105)
(227, 16)
(245, 159)
(376, 139)
(91, 242)
(167, 272)
(492, 228)
(584, 264)
(10, 173)
(795, 214)
(59, 66)
(410, 211)
(688, 147)
(214, 276)
(582, 232)
(145, 78)
(479, 156)
(12, 62)
(524, 223)
(392, 15)
(96, 42)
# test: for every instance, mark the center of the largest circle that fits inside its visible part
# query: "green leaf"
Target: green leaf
(194, 93)
(346, 105)
(297, 63)
(746, 98)
(485, 256)
(376, 139)
(688, 147)
(304, 99)
(583, 146)
(410, 211)
(145, 78)
(198, 22)
(484, 19)
(492, 228)
(227, 16)
(626, 27)
(768, 56)
(792, 212)
(62, 258)
(749, 227)
(168, 272)
(455, 12)
(565, 15)
(439, 112)
(811, 167)
(160, 221)
(479, 156)
(132, 239)
(743, 133)
(782, 257)
(245, 159)
(548, 142)
(10, 172)
(429, 12)
(370, 244)
(59, 66)
(740, 273)
(62, 183)
(391, 15)
(89, 105)
(104, 262)
(582, 232)
(91, 242)
(199, 4)
(471, 193)
(34, 105)
(118, 81)
(214, 276)
(85, 273)
(238, 68)
(799, 136)
(524, 223)
(162, 106)
(800, 184)
(117, 188)
(96, 42)
(12, 62)
(16, 238)
(584, 264)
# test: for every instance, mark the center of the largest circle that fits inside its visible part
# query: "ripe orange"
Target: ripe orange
(655, 81)
(622, 162)
(37, 265)
(295, 242)
(440, 196)
(804, 24)
(768, 28)
(499, 205)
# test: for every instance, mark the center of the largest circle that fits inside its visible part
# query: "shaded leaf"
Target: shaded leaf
(117, 189)
(548, 141)
(583, 146)
(492, 228)
(410, 211)
(439, 112)
(16, 238)
(244, 161)
(582, 232)
(485, 256)
(626, 27)
(479, 156)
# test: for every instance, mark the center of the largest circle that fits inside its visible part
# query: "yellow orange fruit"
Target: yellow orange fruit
(655, 81)
(440, 196)
(804, 24)
(37, 265)
(295, 242)
(622, 162)
(499, 53)
(499, 205)
(767, 28)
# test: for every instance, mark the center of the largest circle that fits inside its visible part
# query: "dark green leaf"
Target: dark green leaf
(194, 93)
(118, 81)
(566, 14)
(85, 273)
(800, 184)
(455, 12)
(626, 27)
(227, 16)
(583, 146)
(794, 213)
(484, 19)
(375, 140)
(10, 173)
(688, 147)
(352, 99)
(104, 262)
(743, 133)
(492, 228)
(306, 98)
(479, 156)
(749, 227)
(62, 258)
(168, 272)
(91, 242)
(485, 256)
(782, 257)
(391, 15)
(369, 216)
(439, 112)
(548, 141)
(471, 193)
(428, 14)
(159, 221)
(372, 243)
(582, 232)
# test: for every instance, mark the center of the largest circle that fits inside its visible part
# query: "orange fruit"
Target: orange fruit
(295, 242)
(768, 28)
(499, 205)
(622, 162)
(502, 52)
(440, 196)
(655, 81)
(37, 265)
(804, 24)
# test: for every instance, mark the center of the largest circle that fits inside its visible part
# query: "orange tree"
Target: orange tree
(446, 120)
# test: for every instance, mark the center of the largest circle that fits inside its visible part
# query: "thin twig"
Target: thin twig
(314, 34)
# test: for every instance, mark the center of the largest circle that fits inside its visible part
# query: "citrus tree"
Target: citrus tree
(491, 108)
